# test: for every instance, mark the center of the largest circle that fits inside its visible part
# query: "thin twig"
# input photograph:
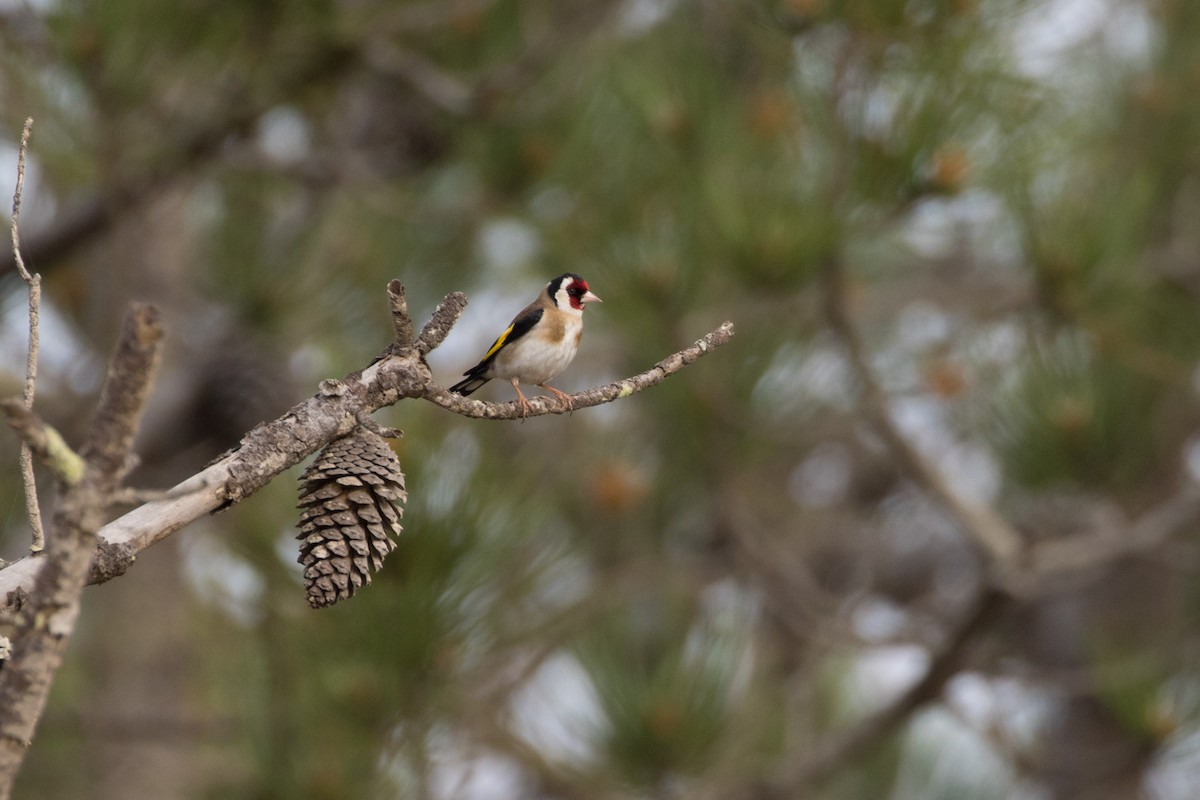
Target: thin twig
(16, 206)
(34, 282)
(590, 397)
(999, 542)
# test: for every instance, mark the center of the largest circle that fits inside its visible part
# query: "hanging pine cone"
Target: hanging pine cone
(352, 497)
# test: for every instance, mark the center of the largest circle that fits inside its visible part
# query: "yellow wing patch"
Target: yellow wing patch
(498, 343)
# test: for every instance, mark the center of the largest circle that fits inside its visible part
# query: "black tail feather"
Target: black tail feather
(470, 384)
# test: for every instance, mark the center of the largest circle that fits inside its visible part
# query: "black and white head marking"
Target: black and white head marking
(566, 290)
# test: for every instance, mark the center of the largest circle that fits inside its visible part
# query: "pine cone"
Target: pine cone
(352, 496)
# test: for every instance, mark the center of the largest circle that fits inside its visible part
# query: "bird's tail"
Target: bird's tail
(470, 384)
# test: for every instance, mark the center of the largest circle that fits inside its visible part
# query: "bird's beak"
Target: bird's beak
(588, 297)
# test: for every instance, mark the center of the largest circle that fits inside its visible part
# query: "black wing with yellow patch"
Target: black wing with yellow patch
(520, 326)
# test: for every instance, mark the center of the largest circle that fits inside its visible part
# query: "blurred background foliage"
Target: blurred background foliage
(682, 594)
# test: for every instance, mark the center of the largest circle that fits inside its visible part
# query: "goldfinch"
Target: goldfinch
(538, 344)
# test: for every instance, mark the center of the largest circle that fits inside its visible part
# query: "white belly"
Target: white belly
(534, 360)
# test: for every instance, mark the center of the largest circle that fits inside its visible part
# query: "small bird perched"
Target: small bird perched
(538, 344)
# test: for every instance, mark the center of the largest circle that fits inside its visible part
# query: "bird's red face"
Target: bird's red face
(578, 294)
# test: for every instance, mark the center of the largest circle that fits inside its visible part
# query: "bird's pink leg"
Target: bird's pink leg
(566, 398)
(521, 399)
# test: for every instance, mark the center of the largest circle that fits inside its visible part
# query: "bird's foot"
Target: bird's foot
(563, 396)
(521, 399)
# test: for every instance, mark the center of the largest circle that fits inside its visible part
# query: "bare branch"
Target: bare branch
(402, 326)
(48, 588)
(130, 375)
(48, 620)
(444, 317)
(590, 397)
(994, 536)
(16, 205)
(275, 446)
(34, 282)
(131, 533)
(48, 617)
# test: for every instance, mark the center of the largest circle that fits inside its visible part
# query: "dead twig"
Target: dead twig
(130, 375)
(48, 614)
(402, 327)
(590, 397)
(444, 318)
(441, 89)
(34, 282)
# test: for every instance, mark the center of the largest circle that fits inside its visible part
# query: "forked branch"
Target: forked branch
(44, 592)
(271, 448)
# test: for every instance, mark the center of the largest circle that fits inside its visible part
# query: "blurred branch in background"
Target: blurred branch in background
(186, 152)
(998, 542)
(841, 751)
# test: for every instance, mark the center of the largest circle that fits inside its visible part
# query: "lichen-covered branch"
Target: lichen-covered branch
(130, 376)
(589, 397)
(47, 617)
(43, 441)
(402, 327)
(48, 588)
(444, 318)
(275, 446)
